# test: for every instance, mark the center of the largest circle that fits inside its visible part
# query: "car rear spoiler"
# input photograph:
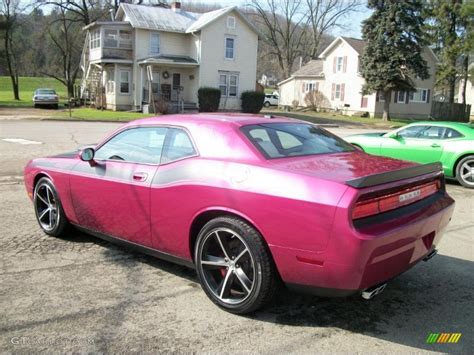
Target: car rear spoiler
(391, 176)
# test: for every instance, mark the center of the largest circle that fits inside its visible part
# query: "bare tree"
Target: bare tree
(294, 28)
(67, 39)
(85, 11)
(9, 13)
(325, 15)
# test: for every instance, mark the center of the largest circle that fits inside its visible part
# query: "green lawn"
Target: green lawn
(330, 117)
(27, 86)
(91, 114)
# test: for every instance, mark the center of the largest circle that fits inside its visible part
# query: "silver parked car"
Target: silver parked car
(271, 100)
(45, 97)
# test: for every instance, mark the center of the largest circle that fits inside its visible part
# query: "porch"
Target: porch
(168, 80)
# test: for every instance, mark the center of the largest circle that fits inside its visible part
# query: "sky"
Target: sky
(351, 28)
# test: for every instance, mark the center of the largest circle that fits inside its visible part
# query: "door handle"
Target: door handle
(140, 176)
(435, 145)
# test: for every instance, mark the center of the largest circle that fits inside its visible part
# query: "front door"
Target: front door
(176, 93)
(112, 196)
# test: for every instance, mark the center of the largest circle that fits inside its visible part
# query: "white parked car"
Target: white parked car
(45, 97)
(271, 100)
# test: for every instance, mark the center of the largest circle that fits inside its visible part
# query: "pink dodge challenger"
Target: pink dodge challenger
(248, 201)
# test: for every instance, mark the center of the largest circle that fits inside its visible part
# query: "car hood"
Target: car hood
(340, 167)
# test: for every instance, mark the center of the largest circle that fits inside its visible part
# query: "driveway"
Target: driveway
(84, 294)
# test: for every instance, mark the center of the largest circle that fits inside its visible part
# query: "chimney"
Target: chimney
(176, 6)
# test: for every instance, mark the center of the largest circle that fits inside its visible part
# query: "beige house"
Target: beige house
(336, 74)
(152, 52)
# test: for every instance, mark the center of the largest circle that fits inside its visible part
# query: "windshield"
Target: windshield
(280, 140)
(45, 92)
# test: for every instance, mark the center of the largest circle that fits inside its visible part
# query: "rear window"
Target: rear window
(45, 92)
(280, 140)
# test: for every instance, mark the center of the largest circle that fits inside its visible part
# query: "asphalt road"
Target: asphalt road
(83, 294)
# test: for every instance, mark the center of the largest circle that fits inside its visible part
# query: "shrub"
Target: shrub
(295, 104)
(315, 100)
(252, 101)
(209, 99)
(162, 106)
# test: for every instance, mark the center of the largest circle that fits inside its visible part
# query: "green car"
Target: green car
(450, 143)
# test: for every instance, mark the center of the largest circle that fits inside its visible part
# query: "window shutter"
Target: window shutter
(343, 86)
(377, 96)
(333, 90)
(407, 97)
(302, 87)
(428, 96)
(395, 99)
(316, 86)
(334, 64)
(344, 66)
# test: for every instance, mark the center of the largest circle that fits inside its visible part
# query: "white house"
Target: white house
(336, 74)
(171, 52)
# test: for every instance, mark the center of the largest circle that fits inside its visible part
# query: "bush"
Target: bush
(295, 104)
(252, 101)
(209, 99)
(315, 100)
(162, 106)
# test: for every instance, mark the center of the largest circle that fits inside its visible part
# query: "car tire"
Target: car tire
(462, 168)
(266, 104)
(234, 265)
(56, 106)
(48, 209)
(35, 106)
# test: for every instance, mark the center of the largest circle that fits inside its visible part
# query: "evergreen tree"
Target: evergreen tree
(449, 26)
(395, 40)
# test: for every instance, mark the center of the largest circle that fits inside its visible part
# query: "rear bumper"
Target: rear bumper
(363, 256)
(46, 102)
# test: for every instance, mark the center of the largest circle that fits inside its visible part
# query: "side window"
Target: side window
(178, 146)
(411, 132)
(137, 145)
(451, 133)
(433, 132)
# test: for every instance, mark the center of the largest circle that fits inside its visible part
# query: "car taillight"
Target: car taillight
(384, 203)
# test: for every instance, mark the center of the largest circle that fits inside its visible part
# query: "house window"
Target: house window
(125, 39)
(229, 84)
(229, 47)
(110, 80)
(339, 64)
(401, 96)
(117, 38)
(124, 82)
(310, 86)
(337, 91)
(231, 22)
(420, 95)
(223, 84)
(95, 39)
(154, 43)
(380, 96)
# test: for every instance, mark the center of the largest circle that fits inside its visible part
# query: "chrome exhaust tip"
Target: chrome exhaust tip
(430, 254)
(371, 292)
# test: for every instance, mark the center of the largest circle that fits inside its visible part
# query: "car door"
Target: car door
(419, 143)
(112, 195)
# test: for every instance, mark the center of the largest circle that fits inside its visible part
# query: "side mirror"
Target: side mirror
(394, 135)
(87, 154)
